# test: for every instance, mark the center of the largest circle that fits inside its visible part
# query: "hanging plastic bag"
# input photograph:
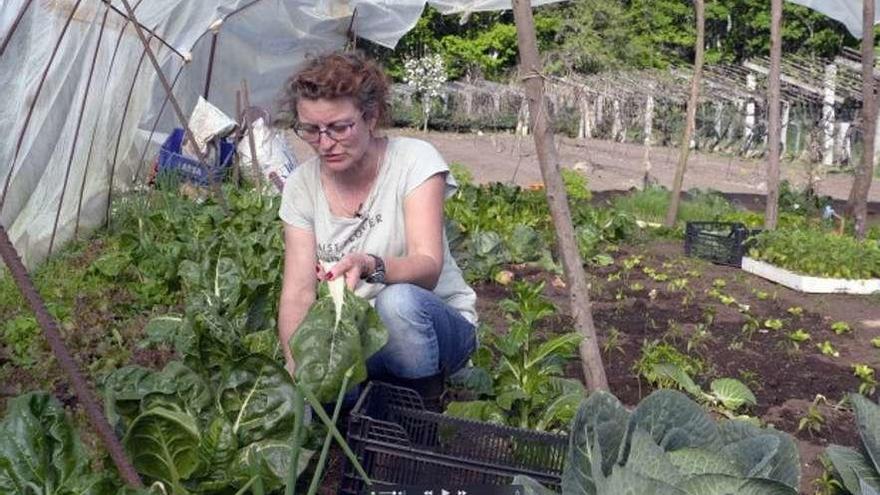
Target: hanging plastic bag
(275, 158)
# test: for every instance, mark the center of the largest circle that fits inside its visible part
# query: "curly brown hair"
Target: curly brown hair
(341, 75)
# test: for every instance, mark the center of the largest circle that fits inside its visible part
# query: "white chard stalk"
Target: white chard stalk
(337, 292)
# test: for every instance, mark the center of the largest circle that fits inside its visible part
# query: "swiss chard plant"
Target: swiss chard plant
(339, 333)
(518, 378)
(669, 445)
(41, 453)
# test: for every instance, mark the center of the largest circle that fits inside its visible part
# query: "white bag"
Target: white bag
(207, 122)
(275, 158)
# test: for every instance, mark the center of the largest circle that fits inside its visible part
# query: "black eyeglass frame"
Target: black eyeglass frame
(341, 133)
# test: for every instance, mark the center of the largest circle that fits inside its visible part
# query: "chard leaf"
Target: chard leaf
(732, 393)
(478, 410)
(720, 484)
(40, 452)
(257, 398)
(227, 282)
(270, 459)
(868, 419)
(218, 448)
(560, 410)
(124, 389)
(164, 445)
(673, 420)
(324, 350)
(475, 379)
(784, 465)
(162, 330)
(264, 342)
(596, 433)
(853, 468)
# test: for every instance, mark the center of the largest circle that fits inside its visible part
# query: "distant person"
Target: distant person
(372, 206)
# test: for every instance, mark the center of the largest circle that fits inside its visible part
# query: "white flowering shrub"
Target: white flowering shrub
(426, 75)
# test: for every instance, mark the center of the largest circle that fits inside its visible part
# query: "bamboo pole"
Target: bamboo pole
(579, 289)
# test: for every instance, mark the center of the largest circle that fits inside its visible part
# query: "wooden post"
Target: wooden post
(616, 125)
(771, 212)
(578, 288)
(672, 213)
(865, 171)
(249, 128)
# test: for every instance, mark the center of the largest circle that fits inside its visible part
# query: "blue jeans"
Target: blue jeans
(425, 335)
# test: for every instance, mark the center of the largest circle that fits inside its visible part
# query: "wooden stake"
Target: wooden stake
(249, 128)
(579, 289)
(672, 213)
(865, 172)
(771, 212)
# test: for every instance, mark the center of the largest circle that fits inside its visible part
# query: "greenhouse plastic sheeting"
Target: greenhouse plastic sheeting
(81, 101)
(847, 12)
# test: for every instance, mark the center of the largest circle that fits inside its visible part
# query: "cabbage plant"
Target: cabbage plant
(859, 470)
(669, 445)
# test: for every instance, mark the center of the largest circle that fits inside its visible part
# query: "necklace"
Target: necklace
(337, 197)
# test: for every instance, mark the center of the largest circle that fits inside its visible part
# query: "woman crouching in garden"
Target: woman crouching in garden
(370, 208)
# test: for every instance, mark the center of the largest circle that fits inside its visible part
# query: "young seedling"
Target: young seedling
(636, 286)
(762, 295)
(612, 342)
(678, 284)
(795, 311)
(719, 283)
(827, 349)
(865, 373)
(798, 336)
(813, 420)
(876, 342)
(773, 324)
(726, 300)
(841, 327)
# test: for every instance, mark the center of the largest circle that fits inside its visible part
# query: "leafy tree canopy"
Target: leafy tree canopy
(594, 35)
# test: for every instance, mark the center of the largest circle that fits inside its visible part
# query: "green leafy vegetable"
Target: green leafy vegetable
(328, 342)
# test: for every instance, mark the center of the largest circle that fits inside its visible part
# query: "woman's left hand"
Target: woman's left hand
(352, 266)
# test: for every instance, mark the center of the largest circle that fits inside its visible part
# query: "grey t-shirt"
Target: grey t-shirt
(380, 229)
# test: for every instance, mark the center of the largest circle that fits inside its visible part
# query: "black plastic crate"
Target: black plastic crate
(398, 442)
(724, 243)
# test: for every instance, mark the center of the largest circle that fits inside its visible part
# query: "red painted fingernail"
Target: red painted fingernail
(317, 269)
(330, 277)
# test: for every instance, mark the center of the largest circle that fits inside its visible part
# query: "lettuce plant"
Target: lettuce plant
(669, 445)
(859, 470)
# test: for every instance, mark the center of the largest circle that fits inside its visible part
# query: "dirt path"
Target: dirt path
(609, 165)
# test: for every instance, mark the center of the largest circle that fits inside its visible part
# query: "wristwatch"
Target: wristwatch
(378, 275)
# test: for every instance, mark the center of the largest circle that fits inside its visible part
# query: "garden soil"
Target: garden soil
(785, 378)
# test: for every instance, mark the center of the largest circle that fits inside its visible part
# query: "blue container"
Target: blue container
(172, 160)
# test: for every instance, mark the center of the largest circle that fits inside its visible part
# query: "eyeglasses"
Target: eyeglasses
(336, 131)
